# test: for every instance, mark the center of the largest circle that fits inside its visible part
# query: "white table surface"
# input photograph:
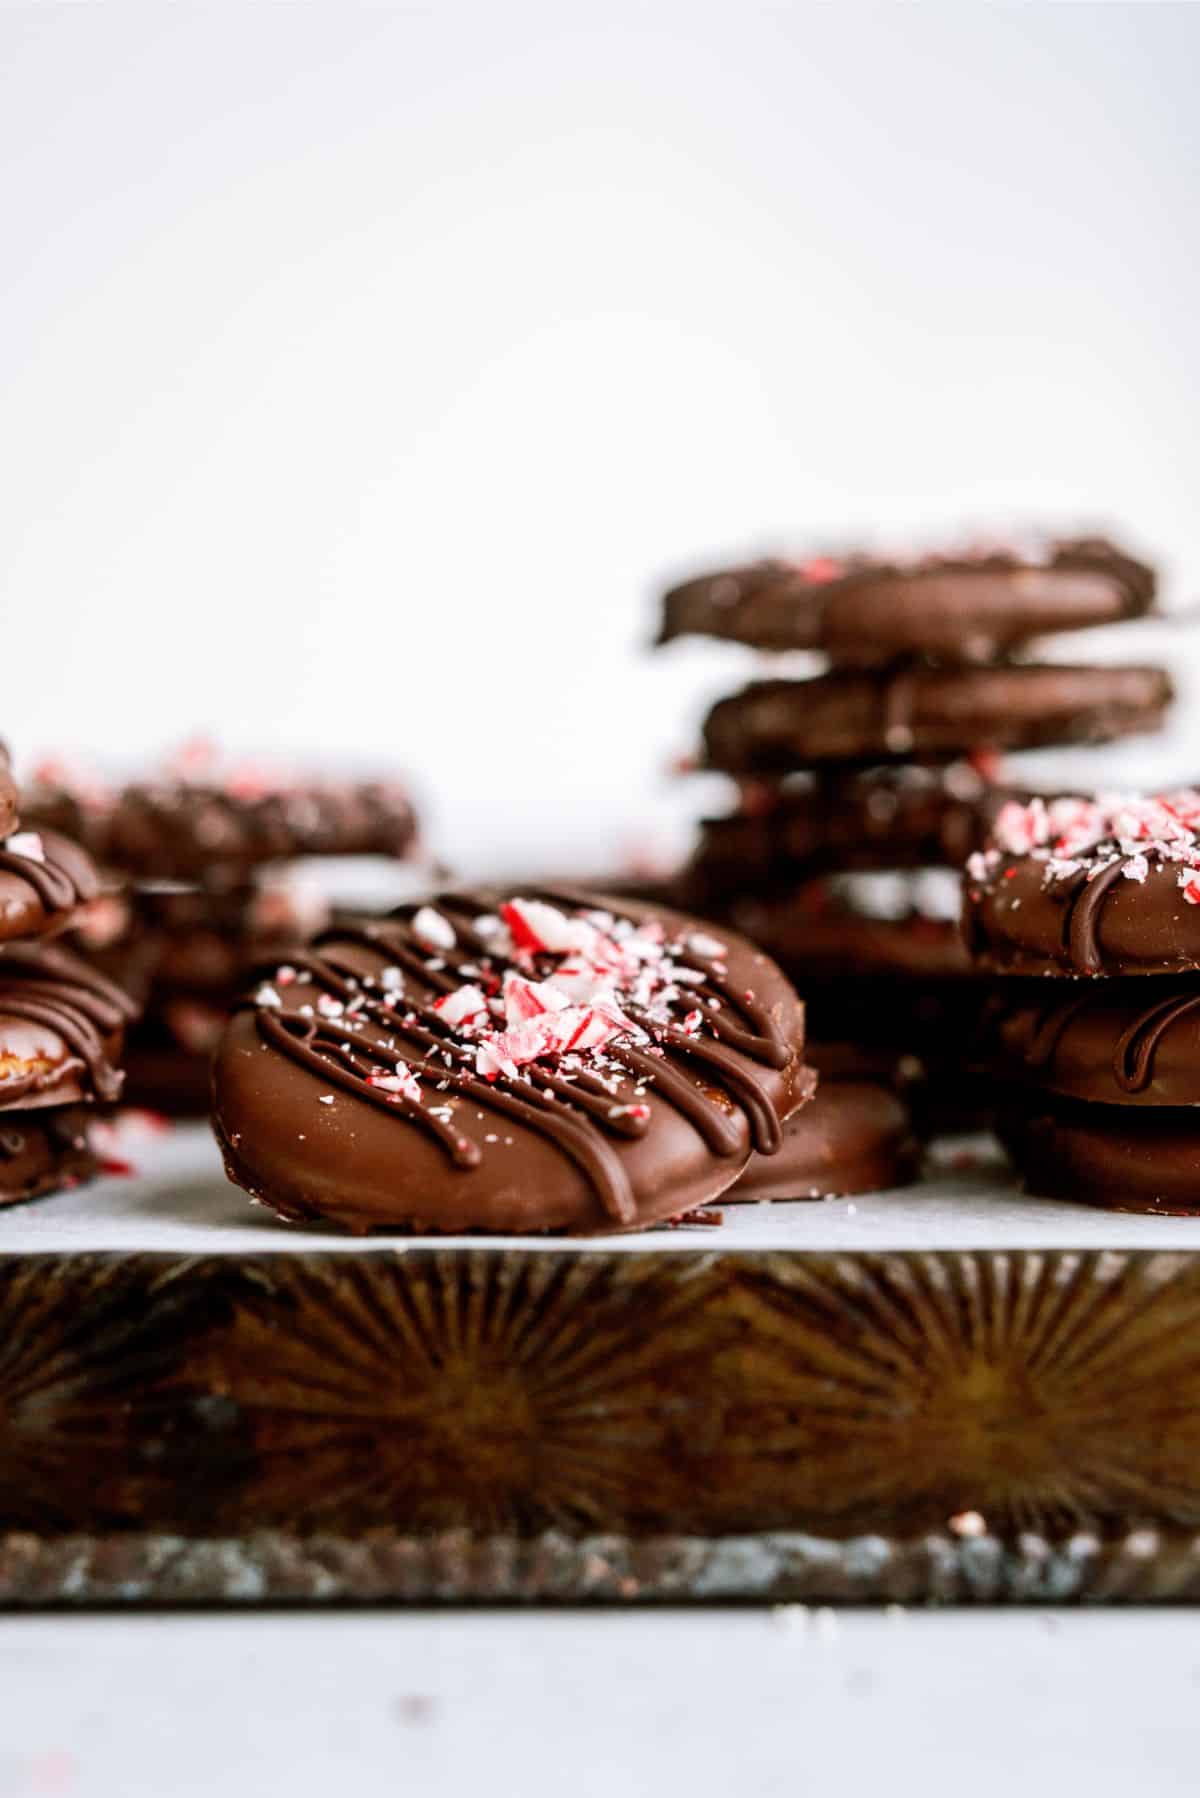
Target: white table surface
(602, 1704)
(178, 1200)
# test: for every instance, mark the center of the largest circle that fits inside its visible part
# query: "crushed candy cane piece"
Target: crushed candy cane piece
(466, 1005)
(27, 844)
(432, 929)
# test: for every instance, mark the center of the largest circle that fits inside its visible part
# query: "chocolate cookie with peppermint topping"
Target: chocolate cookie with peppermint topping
(1088, 886)
(219, 825)
(509, 1063)
(45, 880)
(967, 608)
(929, 714)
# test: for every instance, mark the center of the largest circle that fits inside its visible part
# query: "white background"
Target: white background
(364, 368)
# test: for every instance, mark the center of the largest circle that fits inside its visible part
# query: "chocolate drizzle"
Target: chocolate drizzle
(54, 989)
(1133, 1057)
(1086, 902)
(59, 888)
(708, 1078)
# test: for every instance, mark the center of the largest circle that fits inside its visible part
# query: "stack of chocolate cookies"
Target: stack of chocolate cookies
(863, 787)
(202, 885)
(1100, 1062)
(62, 1024)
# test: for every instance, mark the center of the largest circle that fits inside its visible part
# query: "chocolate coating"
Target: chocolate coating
(773, 726)
(200, 830)
(663, 1121)
(856, 1135)
(1112, 887)
(880, 818)
(43, 1152)
(1068, 926)
(965, 609)
(61, 1029)
(1116, 1042)
(44, 879)
(1108, 1155)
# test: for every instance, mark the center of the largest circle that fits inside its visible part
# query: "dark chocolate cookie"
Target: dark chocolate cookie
(61, 1029)
(43, 1152)
(496, 1062)
(933, 714)
(1117, 1042)
(44, 881)
(200, 830)
(1107, 886)
(1114, 1156)
(951, 609)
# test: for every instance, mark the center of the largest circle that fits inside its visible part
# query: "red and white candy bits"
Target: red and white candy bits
(1087, 836)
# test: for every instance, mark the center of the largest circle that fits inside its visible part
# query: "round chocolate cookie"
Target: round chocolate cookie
(43, 1152)
(954, 609)
(1105, 886)
(856, 1135)
(879, 818)
(850, 924)
(44, 880)
(937, 714)
(61, 1030)
(496, 1062)
(1114, 1156)
(219, 833)
(1114, 1042)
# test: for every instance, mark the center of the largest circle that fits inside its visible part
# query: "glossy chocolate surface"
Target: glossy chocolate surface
(395, 1076)
(1109, 1155)
(61, 1029)
(1118, 1042)
(855, 1135)
(1089, 887)
(44, 880)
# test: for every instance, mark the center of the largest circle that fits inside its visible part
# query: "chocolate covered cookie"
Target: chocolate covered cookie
(61, 1030)
(1106, 886)
(497, 1062)
(44, 881)
(43, 1152)
(1113, 1042)
(219, 831)
(1115, 1156)
(933, 714)
(971, 608)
